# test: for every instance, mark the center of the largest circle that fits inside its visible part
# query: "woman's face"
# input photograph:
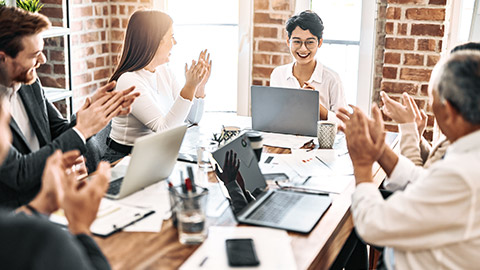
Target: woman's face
(162, 55)
(303, 45)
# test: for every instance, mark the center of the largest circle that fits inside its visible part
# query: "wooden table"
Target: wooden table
(317, 250)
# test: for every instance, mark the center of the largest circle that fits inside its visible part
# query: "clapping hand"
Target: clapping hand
(365, 146)
(407, 112)
(204, 57)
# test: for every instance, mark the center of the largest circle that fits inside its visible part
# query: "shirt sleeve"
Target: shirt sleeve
(410, 143)
(147, 111)
(196, 111)
(337, 99)
(404, 173)
(433, 211)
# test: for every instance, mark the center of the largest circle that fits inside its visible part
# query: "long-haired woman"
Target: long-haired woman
(162, 103)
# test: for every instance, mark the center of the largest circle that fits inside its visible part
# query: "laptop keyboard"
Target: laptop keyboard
(274, 208)
(114, 186)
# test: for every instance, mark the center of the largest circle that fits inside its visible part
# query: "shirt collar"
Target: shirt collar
(317, 74)
(469, 142)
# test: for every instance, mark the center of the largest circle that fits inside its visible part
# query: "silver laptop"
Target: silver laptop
(288, 210)
(285, 110)
(153, 159)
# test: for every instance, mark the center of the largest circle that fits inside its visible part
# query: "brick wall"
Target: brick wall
(269, 38)
(98, 28)
(52, 74)
(379, 48)
(415, 32)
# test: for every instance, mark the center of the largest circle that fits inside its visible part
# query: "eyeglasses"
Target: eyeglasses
(309, 43)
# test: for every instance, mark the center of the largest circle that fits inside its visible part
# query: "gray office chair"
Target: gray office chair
(96, 148)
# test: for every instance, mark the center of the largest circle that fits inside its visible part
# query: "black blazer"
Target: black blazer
(31, 242)
(21, 172)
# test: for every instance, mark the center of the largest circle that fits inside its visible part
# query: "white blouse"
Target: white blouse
(326, 82)
(158, 107)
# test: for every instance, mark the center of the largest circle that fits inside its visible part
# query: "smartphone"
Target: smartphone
(241, 252)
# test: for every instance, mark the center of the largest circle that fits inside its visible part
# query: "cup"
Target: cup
(256, 142)
(204, 152)
(189, 214)
(326, 132)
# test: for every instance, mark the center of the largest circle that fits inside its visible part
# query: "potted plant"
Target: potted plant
(30, 5)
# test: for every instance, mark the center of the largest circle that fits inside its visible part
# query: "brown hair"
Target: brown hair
(145, 30)
(17, 23)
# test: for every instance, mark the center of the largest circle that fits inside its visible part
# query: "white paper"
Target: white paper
(272, 246)
(153, 197)
(285, 140)
(276, 165)
(306, 163)
(328, 183)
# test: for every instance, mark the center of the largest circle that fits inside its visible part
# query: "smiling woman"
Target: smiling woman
(305, 37)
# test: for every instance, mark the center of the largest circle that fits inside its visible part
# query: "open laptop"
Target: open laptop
(153, 159)
(285, 110)
(288, 210)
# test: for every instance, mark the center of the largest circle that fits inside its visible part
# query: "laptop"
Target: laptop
(288, 210)
(153, 159)
(285, 110)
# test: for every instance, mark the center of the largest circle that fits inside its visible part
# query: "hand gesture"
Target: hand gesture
(363, 150)
(308, 85)
(230, 168)
(58, 170)
(195, 74)
(93, 116)
(82, 199)
(204, 57)
(107, 89)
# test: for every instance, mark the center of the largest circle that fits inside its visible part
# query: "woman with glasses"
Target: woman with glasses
(305, 32)
(162, 103)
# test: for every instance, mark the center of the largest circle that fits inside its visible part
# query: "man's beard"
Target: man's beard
(26, 77)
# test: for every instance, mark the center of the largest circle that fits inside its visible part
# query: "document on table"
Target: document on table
(306, 163)
(285, 140)
(111, 217)
(273, 249)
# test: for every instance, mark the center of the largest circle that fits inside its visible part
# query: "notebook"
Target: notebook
(285, 110)
(153, 159)
(288, 210)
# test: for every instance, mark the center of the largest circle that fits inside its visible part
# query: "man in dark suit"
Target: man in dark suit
(27, 239)
(37, 127)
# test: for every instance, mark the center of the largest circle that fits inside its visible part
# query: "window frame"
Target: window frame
(245, 46)
(366, 44)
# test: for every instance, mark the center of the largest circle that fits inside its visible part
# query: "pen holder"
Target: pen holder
(189, 214)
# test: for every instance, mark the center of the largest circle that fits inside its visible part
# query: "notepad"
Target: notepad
(111, 217)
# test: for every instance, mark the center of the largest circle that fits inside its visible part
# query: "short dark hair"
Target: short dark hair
(458, 82)
(16, 23)
(466, 46)
(307, 20)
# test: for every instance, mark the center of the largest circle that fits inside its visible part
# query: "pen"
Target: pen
(323, 162)
(182, 183)
(306, 180)
(203, 261)
(192, 180)
(188, 186)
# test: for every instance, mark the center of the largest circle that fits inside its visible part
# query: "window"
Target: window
(348, 42)
(217, 29)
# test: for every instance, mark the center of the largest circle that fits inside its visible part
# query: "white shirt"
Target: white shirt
(435, 222)
(158, 107)
(326, 82)
(18, 112)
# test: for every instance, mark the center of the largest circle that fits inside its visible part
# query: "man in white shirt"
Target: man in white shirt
(305, 32)
(435, 221)
(37, 127)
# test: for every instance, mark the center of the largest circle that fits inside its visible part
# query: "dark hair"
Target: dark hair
(307, 20)
(16, 23)
(145, 30)
(466, 46)
(459, 83)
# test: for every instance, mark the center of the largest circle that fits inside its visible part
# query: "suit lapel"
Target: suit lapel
(19, 137)
(35, 111)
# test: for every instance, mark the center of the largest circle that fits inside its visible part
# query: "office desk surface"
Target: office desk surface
(317, 250)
